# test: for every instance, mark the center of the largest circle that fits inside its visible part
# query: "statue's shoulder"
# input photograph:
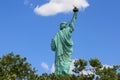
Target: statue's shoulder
(70, 29)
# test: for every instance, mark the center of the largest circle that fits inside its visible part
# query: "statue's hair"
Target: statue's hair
(63, 26)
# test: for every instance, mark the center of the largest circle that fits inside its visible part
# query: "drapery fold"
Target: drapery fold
(62, 45)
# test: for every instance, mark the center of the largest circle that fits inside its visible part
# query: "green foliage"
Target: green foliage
(14, 67)
(104, 73)
(79, 65)
(101, 72)
(95, 63)
(85, 77)
(118, 75)
(108, 74)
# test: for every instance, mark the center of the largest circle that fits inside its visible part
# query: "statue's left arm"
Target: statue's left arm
(53, 47)
(71, 25)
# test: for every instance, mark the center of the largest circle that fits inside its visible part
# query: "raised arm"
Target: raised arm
(75, 10)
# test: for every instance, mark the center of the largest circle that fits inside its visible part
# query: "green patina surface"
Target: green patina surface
(62, 45)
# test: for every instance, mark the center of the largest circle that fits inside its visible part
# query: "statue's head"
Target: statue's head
(63, 25)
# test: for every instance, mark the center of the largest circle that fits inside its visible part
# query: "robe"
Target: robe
(62, 45)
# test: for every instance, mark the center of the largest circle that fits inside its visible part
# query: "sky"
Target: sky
(25, 31)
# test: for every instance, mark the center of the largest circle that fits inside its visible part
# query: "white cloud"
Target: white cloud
(72, 66)
(45, 65)
(26, 2)
(107, 66)
(53, 68)
(59, 6)
(86, 72)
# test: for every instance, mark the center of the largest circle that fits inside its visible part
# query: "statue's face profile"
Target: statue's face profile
(63, 25)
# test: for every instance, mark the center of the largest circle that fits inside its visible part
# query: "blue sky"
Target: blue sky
(97, 32)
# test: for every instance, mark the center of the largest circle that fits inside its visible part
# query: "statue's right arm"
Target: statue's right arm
(75, 10)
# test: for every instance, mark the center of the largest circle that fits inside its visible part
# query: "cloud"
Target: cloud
(86, 72)
(107, 66)
(26, 2)
(45, 65)
(72, 66)
(59, 6)
(53, 68)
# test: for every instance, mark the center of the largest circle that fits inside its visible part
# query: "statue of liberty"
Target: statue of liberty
(62, 44)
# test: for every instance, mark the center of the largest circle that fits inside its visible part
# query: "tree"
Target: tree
(79, 65)
(14, 67)
(99, 72)
(102, 72)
